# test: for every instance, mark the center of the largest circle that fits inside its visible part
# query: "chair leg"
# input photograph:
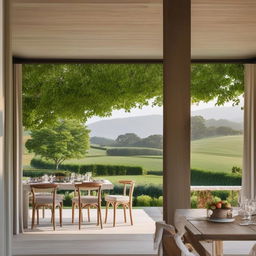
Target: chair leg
(37, 215)
(53, 218)
(60, 211)
(100, 217)
(80, 216)
(88, 210)
(33, 217)
(114, 219)
(130, 210)
(106, 213)
(124, 206)
(73, 213)
(43, 212)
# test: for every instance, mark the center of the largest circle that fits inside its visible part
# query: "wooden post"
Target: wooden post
(177, 57)
(5, 134)
(249, 165)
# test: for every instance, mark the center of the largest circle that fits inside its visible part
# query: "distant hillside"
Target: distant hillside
(224, 122)
(144, 126)
(234, 114)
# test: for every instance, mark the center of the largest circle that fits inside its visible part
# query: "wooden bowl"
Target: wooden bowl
(221, 213)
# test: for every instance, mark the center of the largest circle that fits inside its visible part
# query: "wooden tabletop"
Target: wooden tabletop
(198, 226)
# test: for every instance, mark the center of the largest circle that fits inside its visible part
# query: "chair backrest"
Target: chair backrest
(171, 241)
(253, 251)
(89, 186)
(49, 189)
(126, 183)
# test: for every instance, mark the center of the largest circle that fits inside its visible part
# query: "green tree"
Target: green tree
(152, 141)
(126, 140)
(64, 140)
(198, 128)
(80, 91)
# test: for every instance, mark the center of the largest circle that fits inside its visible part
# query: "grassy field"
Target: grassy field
(139, 179)
(213, 154)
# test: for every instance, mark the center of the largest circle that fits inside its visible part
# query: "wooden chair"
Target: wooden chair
(124, 200)
(170, 243)
(44, 196)
(88, 200)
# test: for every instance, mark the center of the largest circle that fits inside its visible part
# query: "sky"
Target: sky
(148, 110)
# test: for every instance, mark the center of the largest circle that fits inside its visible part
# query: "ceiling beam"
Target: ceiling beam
(17, 60)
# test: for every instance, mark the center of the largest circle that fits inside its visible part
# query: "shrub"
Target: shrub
(133, 151)
(207, 178)
(67, 201)
(96, 169)
(193, 201)
(236, 169)
(40, 172)
(223, 195)
(143, 200)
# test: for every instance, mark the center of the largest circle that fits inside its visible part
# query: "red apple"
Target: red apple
(219, 205)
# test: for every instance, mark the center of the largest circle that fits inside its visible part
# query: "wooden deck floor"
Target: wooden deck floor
(122, 240)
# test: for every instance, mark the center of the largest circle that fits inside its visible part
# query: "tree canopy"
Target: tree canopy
(80, 91)
(64, 140)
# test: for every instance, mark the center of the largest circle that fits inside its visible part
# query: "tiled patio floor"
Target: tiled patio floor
(68, 240)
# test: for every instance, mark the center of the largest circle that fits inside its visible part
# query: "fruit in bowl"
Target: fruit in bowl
(218, 209)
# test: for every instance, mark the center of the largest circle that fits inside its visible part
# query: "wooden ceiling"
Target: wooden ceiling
(129, 29)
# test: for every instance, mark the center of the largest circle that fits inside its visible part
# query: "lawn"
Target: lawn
(139, 179)
(213, 154)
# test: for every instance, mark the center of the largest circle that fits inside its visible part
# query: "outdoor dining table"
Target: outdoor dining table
(106, 185)
(200, 229)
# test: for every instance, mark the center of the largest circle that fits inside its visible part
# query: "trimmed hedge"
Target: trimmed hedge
(208, 178)
(133, 151)
(96, 169)
(41, 172)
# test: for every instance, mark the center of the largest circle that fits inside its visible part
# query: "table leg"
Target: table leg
(217, 248)
(25, 208)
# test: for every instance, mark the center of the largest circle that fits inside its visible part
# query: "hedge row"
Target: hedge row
(133, 151)
(96, 169)
(208, 178)
(40, 172)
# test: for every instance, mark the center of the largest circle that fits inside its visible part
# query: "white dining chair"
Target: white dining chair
(160, 227)
(253, 251)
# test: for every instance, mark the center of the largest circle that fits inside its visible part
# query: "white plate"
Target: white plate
(221, 220)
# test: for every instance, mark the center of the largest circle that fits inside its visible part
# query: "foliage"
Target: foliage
(143, 200)
(199, 129)
(64, 140)
(41, 172)
(126, 140)
(223, 82)
(237, 170)
(133, 140)
(209, 178)
(133, 151)
(193, 201)
(98, 147)
(80, 91)
(152, 141)
(96, 169)
(101, 141)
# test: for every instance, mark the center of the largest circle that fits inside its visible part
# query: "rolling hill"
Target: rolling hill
(144, 126)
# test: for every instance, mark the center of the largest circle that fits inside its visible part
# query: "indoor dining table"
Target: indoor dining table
(106, 185)
(200, 229)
